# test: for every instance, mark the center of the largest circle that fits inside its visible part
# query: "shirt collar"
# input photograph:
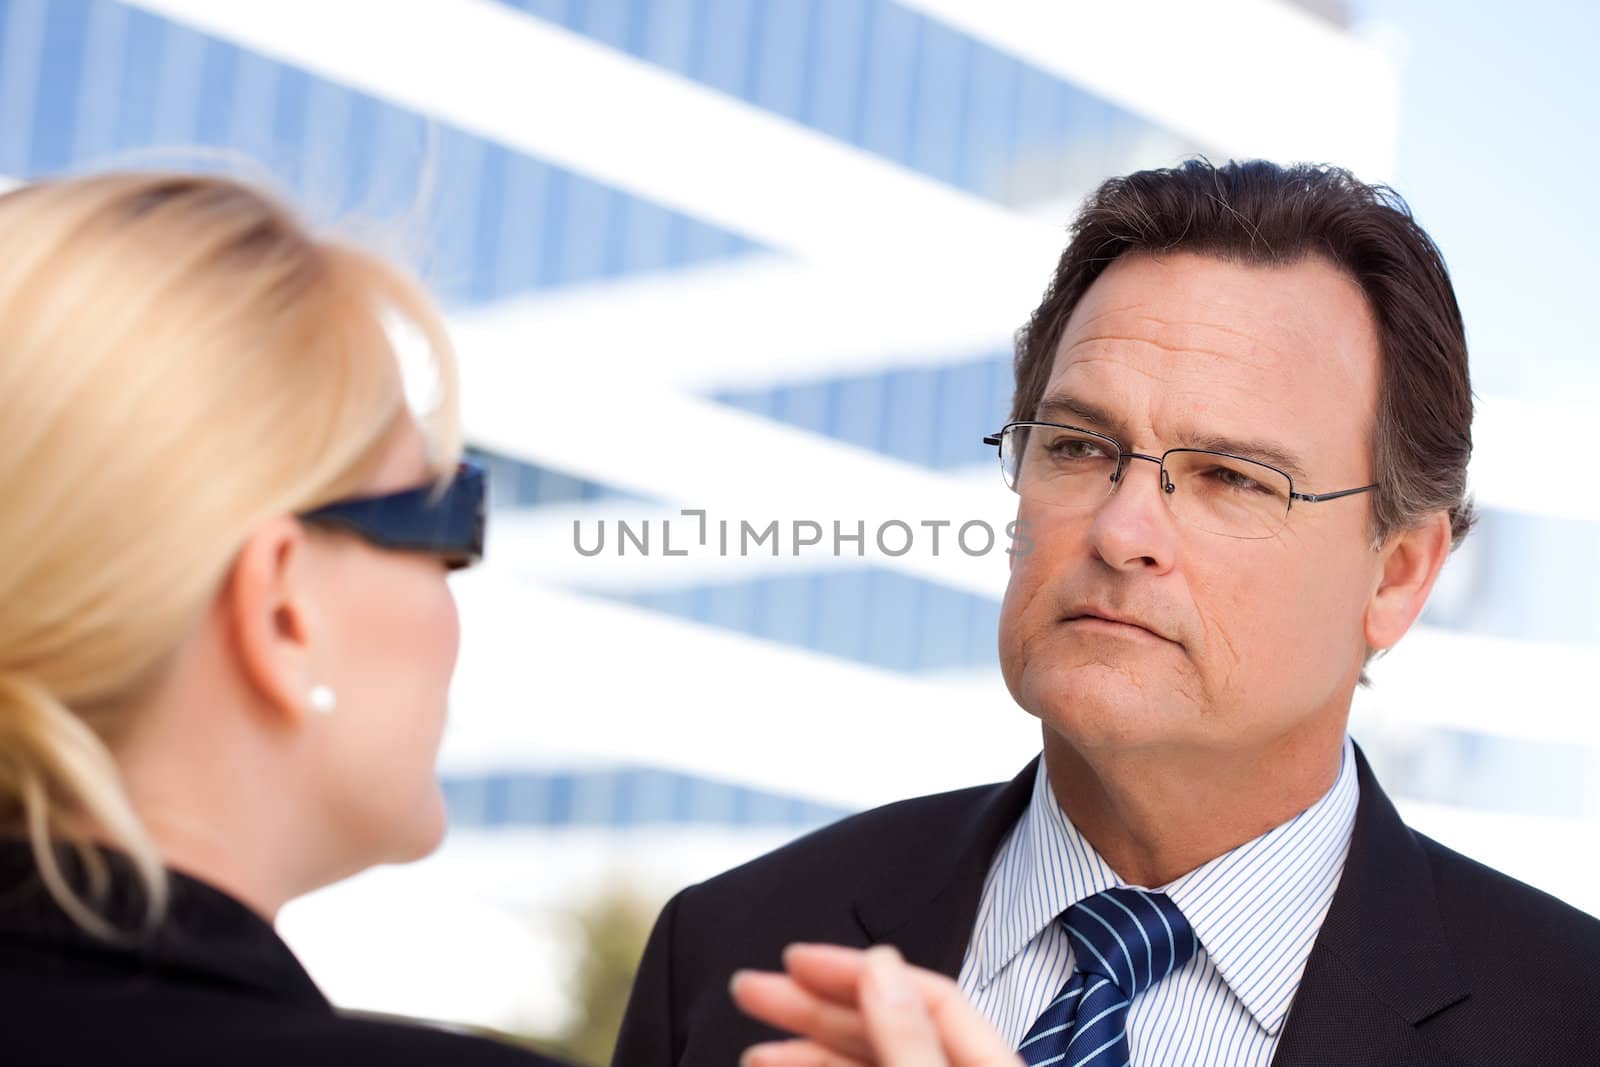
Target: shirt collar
(1256, 909)
(1044, 868)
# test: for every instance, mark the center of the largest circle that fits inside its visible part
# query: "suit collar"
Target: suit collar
(1256, 908)
(206, 935)
(927, 911)
(1382, 962)
(1380, 965)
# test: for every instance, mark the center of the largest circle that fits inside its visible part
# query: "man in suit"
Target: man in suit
(1240, 437)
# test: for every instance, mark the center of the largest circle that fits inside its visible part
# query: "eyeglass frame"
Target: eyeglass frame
(1167, 486)
(449, 522)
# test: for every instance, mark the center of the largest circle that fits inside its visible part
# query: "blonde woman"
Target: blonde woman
(225, 632)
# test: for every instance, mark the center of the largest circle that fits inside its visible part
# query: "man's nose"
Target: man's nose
(1133, 528)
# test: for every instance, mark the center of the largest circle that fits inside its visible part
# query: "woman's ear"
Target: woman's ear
(1410, 563)
(266, 605)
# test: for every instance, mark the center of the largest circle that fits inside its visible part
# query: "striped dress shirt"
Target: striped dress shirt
(1256, 911)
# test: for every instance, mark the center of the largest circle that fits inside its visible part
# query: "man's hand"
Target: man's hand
(855, 1008)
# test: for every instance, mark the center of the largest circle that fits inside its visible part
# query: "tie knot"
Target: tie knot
(1133, 937)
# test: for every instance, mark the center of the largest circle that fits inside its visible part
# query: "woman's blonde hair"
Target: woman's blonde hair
(180, 360)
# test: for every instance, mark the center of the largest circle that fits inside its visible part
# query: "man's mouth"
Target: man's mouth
(1109, 623)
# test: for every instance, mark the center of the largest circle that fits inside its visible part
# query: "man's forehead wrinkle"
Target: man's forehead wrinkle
(1174, 349)
(1169, 367)
(1178, 334)
(1089, 359)
(1075, 323)
(1175, 301)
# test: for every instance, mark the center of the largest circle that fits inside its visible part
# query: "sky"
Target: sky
(1499, 156)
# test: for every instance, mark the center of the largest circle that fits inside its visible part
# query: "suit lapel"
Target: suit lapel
(1380, 966)
(1345, 1023)
(1382, 962)
(927, 910)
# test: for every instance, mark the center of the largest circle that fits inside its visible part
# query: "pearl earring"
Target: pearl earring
(322, 700)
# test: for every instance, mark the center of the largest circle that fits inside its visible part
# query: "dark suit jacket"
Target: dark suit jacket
(215, 986)
(1426, 958)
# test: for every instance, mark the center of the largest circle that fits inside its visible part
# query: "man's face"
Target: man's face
(1236, 642)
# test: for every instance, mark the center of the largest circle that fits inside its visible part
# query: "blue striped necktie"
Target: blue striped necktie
(1123, 941)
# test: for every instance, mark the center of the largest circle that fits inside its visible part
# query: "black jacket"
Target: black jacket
(1426, 958)
(214, 986)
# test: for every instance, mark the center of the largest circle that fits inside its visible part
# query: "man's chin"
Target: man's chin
(1095, 705)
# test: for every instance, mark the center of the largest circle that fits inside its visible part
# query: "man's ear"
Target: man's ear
(269, 617)
(1410, 561)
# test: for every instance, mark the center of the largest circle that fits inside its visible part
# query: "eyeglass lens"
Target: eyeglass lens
(1221, 494)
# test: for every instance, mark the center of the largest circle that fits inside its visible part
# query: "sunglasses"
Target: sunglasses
(449, 524)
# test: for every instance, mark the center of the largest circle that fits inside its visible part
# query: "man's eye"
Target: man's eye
(1076, 448)
(1232, 479)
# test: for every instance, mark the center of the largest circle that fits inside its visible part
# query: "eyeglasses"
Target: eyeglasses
(1211, 491)
(448, 523)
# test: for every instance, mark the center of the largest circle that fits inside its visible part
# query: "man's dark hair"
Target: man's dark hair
(1260, 214)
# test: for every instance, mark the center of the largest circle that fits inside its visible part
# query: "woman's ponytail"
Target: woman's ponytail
(57, 780)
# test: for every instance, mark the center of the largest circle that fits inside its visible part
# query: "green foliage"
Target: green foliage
(613, 931)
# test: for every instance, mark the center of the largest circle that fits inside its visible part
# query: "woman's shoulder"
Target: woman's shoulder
(84, 1004)
(125, 1019)
(213, 984)
(357, 1039)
